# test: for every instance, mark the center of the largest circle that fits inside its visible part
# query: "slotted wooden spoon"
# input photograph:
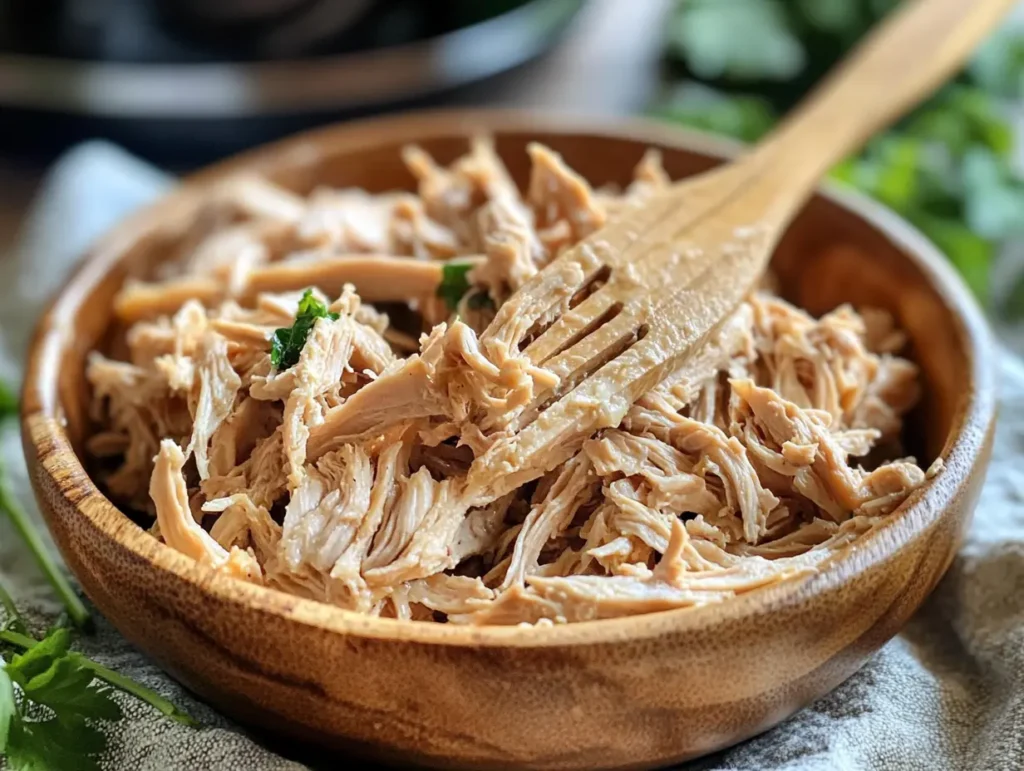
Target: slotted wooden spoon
(673, 270)
(665, 275)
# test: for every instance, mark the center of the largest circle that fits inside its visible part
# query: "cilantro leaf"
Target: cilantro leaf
(50, 675)
(47, 745)
(50, 652)
(454, 283)
(287, 342)
(51, 699)
(67, 685)
(67, 688)
(39, 658)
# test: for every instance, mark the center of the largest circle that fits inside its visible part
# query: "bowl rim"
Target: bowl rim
(44, 436)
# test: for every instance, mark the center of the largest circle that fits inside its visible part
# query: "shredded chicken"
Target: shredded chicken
(326, 455)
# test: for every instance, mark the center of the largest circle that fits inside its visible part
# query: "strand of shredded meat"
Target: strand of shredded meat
(770, 449)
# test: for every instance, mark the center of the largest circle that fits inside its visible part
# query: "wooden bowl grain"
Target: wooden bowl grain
(628, 693)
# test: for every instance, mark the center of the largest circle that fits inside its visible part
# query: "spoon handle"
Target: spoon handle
(908, 56)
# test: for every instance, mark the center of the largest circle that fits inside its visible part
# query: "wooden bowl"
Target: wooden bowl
(625, 693)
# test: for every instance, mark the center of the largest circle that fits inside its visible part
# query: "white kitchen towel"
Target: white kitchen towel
(947, 694)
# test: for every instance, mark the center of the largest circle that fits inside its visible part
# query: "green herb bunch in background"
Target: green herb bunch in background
(735, 66)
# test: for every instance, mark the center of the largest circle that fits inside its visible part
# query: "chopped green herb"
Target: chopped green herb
(51, 744)
(287, 342)
(50, 674)
(454, 283)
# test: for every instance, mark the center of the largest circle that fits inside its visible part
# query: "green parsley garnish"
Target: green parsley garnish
(51, 698)
(75, 691)
(287, 343)
(454, 283)
(65, 735)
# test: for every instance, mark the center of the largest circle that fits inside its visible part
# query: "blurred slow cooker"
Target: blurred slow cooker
(185, 80)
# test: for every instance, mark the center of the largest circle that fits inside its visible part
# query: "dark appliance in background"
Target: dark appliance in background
(184, 81)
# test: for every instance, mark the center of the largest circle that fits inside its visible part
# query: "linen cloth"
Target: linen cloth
(948, 693)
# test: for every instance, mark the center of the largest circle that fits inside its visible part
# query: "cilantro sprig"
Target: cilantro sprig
(455, 287)
(287, 343)
(65, 734)
(52, 698)
(53, 701)
(112, 679)
(454, 283)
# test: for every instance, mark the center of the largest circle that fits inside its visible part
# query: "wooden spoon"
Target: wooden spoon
(672, 271)
(660, 279)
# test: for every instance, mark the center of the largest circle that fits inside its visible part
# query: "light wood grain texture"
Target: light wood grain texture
(629, 693)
